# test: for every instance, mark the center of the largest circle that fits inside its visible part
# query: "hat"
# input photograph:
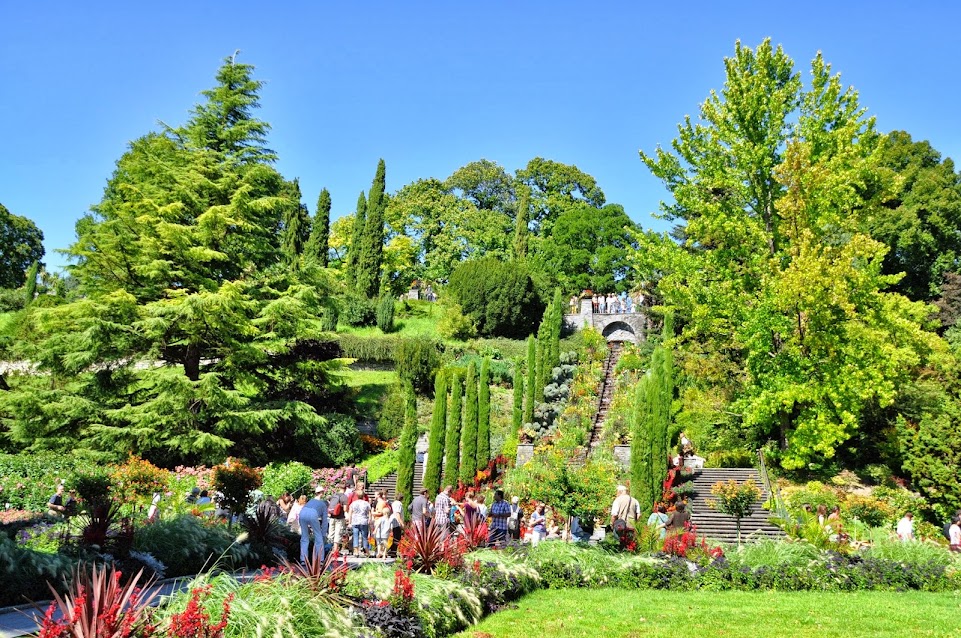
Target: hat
(621, 488)
(318, 489)
(515, 500)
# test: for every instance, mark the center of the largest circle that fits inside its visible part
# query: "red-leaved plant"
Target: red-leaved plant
(475, 531)
(423, 545)
(324, 577)
(402, 597)
(99, 605)
(194, 621)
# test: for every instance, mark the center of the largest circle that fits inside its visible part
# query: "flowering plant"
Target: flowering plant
(194, 621)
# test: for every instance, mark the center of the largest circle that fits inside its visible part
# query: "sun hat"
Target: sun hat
(318, 490)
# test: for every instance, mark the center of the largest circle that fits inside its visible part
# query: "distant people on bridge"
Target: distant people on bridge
(609, 304)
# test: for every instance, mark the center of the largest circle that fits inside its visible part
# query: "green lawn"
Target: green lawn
(616, 613)
(418, 320)
(371, 383)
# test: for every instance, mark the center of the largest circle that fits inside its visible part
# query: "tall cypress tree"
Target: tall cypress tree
(372, 244)
(523, 215)
(319, 243)
(468, 457)
(531, 374)
(296, 221)
(30, 283)
(452, 444)
(557, 323)
(484, 415)
(641, 476)
(356, 239)
(517, 414)
(438, 426)
(407, 452)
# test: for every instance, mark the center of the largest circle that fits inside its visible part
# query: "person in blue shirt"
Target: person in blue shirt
(313, 517)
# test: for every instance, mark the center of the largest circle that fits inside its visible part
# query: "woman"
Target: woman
(285, 502)
(658, 520)
(538, 521)
(382, 513)
(470, 508)
(396, 525)
(822, 515)
(954, 535)
(293, 516)
(360, 524)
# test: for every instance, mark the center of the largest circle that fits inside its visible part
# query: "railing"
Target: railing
(773, 491)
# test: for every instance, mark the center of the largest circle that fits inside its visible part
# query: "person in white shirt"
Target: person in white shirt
(954, 535)
(906, 528)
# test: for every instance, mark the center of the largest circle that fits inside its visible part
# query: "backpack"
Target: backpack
(337, 509)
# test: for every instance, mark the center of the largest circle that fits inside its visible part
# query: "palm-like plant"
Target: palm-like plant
(325, 578)
(423, 545)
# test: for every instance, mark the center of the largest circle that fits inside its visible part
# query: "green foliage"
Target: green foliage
(517, 408)
(438, 426)
(730, 458)
(933, 458)
(385, 314)
(370, 256)
(418, 359)
(28, 480)
(30, 285)
(186, 546)
(93, 486)
(26, 572)
(735, 499)
(407, 450)
(468, 456)
(391, 419)
(498, 296)
(484, 415)
(296, 225)
(372, 349)
(235, 481)
(358, 310)
(287, 478)
(530, 374)
(22, 245)
(454, 324)
(381, 465)
(452, 441)
(318, 246)
(356, 242)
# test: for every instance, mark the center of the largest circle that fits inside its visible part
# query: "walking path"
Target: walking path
(606, 392)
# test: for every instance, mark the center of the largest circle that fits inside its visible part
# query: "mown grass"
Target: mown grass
(653, 614)
(411, 319)
(371, 385)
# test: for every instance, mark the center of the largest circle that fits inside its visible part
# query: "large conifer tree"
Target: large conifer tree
(452, 444)
(296, 225)
(407, 450)
(372, 242)
(318, 246)
(484, 415)
(438, 426)
(356, 240)
(468, 457)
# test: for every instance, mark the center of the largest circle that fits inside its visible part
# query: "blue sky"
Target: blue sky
(431, 86)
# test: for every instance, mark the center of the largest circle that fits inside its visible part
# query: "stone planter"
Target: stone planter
(525, 452)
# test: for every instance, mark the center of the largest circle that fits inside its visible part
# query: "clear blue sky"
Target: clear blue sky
(431, 86)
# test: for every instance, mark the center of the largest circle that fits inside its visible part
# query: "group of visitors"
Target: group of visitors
(504, 519)
(610, 303)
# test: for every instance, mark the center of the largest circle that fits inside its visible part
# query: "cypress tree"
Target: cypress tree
(452, 447)
(318, 246)
(518, 412)
(296, 221)
(468, 462)
(557, 323)
(372, 244)
(407, 452)
(540, 373)
(438, 425)
(531, 380)
(520, 230)
(356, 239)
(484, 416)
(30, 284)
(641, 478)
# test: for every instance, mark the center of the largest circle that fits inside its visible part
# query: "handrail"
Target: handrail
(773, 491)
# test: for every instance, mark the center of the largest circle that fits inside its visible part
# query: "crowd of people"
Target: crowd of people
(610, 303)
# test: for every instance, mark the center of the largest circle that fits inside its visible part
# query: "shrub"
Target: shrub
(25, 572)
(235, 481)
(329, 318)
(188, 545)
(137, 480)
(385, 314)
(374, 349)
(358, 310)
(417, 362)
(814, 493)
(391, 419)
(11, 299)
(868, 510)
(454, 324)
(341, 441)
(498, 296)
(293, 478)
(729, 458)
(93, 487)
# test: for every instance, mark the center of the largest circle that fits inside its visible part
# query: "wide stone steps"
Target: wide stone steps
(606, 392)
(389, 483)
(722, 528)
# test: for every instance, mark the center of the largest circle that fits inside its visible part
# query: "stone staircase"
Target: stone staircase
(389, 483)
(720, 527)
(606, 392)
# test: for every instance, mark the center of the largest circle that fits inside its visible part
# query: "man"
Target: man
(624, 508)
(55, 506)
(678, 520)
(442, 505)
(336, 510)
(906, 528)
(420, 509)
(313, 517)
(500, 511)
(269, 508)
(514, 520)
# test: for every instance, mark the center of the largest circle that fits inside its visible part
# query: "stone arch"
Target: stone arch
(619, 331)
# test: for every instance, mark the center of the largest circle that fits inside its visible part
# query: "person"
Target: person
(382, 513)
(205, 500)
(538, 521)
(293, 516)
(905, 529)
(678, 520)
(658, 519)
(595, 305)
(835, 514)
(313, 518)
(442, 507)
(624, 508)
(336, 510)
(55, 506)
(285, 502)
(574, 308)
(360, 525)
(420, 509)
(515, 519)
(822, 514)
(686, 448)
(500, 513)
(481, 501)
(470, 508)
(954, 535)
(351, 476)
(192, 496)
(602, 304)
(396, 525)
(268, 508)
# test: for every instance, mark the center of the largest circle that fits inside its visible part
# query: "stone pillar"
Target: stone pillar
(525, 452)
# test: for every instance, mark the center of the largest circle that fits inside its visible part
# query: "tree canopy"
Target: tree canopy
(22, 245)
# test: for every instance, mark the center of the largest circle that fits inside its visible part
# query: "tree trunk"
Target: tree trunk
(192, 362)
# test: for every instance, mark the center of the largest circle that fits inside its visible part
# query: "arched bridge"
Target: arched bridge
(615, 326)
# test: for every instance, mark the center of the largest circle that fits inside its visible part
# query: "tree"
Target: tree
(735, 500)
(452, 443)
(554, 188)
(770, 189)
(438, 426)
(22, 245)
(372, 242)
(30, 285)
(521, 222)
(356, 240)
(531, 377)
(468, 455)
(517, 408)
(485, 184)
(920, 222)
(484, 415)
(318, 246)
(499, 297)
(296, 225)
(407, 449)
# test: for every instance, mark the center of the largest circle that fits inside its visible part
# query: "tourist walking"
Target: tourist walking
(382, 512)
(337, 509)
(538, 521)
(905, 528)
(954, 534)
(624, 508)
(658, 520)
(500, 513)
(420, 509)
(313, 518)
(678, 520)
(293, 516)
(515, 519)
(396, 525)
(442, 507)
(360, 525)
